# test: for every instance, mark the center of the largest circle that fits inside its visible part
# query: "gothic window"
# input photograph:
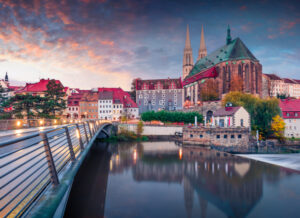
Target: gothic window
(224, 80)
(256, 79)
(247, 78)
(240, 72)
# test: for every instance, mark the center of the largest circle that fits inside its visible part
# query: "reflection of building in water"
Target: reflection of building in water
(228, 182)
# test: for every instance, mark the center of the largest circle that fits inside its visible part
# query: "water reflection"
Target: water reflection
(210, 183)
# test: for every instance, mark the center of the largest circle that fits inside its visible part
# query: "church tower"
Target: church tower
(187, 55)
(6, 77)
(228, 38)
(202, 50)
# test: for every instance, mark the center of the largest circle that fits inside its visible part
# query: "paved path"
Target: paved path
(291, 161)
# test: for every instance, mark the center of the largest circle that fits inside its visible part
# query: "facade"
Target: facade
(73, 106)
(291, 115)
(88, 106)
(231, 117)
(217, 136)
(273, 85)
(159, 94)
(231, 62)
(114, 103)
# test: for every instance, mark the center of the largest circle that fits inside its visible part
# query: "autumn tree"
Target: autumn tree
(236, 83)
(278, 127)
(261, 110)
(209, 90)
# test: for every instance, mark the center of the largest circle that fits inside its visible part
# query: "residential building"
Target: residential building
(273, 85)
(231, 117)
(73, 106)
(159, 94)
(88, 105)
(291, 115)
(115, 103)
(226, 65)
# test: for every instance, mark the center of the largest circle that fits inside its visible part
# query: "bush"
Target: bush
(173, 117)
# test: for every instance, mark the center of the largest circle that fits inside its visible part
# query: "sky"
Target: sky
(107, 43)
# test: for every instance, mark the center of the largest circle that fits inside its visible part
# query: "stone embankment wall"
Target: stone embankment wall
(205, 107)
(154, 130)
(217, 136)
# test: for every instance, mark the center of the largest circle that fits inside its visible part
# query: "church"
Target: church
(230, 66)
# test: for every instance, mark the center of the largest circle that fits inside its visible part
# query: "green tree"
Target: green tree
(55, 99)
(172, 116)
(25, 104)
(261, 110)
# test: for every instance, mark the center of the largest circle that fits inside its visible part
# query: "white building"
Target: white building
(114, 103)
(291, 115)
(231, 117)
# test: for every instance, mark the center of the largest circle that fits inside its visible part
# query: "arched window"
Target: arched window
(256, 79)
(224, 80)
(247, 78)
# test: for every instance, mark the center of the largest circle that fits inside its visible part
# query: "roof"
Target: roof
(40, 86)
(287, 80)
(289, 105)
(210, 73)
(165, 83)
(273, 76)
(106, 95)
(227, 111)
(15, 88)
(89, 96)
(73, 99)
(235, 50)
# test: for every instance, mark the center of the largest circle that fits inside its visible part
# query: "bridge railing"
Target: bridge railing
(31, 163)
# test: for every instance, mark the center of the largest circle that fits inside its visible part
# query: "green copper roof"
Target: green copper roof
(235, 50)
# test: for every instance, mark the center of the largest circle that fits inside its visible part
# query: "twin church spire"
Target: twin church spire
(188, 62)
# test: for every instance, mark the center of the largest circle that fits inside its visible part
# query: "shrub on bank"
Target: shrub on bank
(172, 116)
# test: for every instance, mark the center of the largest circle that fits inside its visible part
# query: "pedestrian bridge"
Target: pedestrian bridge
(37, 171)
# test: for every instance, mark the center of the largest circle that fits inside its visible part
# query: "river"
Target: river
(161, 179)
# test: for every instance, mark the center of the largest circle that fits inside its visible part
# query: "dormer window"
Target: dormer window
(287, 114)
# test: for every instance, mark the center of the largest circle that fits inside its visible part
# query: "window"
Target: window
(225, 136)
(296, 114)
(191, 135)
(239, 136)
(242, 122)
(232, 136)
(201, 136)
(218, 136)
(287, 114)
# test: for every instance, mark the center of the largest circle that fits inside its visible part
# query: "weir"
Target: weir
(37, 172)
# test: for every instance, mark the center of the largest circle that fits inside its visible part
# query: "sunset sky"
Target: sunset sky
(96, 43)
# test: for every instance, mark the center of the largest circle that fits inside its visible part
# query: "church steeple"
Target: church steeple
(6, 77)
(202, 50)
(187, 55)
(228, 38)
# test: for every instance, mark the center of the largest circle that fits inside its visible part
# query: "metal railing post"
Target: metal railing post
(79, 135)
(50, 161)
(86, 135)
(90, 129)
(70, 144)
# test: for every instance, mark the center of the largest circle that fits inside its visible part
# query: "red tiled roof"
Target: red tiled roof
(287, 80)
(119, 96)
(290, 108)
(74, 99)
(15, 88)
(164, 82)
(229, 111)
(40, 86)
(210, 73)
(273, 76)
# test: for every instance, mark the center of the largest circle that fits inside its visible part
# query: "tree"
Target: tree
(236, 83)
(55, 99)
(25, 104)
(261, 110)
(278, 127)
(209, 90)
(140, 128)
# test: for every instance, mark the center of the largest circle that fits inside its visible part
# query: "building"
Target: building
(231, 117)
(39, 88)
(73, 106)
(225, 66)
(114, 103)
(88, 105)
(274, 85)
(291, 115)
(159, 94)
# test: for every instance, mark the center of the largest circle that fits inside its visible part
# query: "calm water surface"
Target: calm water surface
(161, 179)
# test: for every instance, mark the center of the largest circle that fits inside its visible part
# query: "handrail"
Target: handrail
(36, 161)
